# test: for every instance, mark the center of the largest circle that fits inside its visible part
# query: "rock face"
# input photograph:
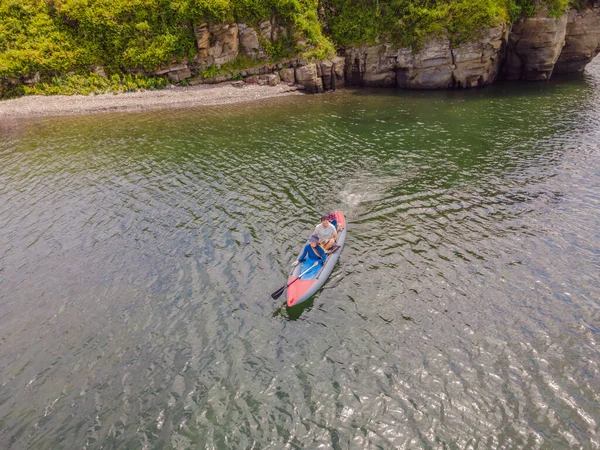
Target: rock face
(534, 49)
(430, 68)
(307, 76)
(202, 41)
(332, 73)
(338, 81)
(250, 43)
(436, 66)
(582, 40)
(371, 66)
(225, 47)
(534, 45)
(321, 76)
(478, 63)
(217, 44)
(288, 75)
(176, 72)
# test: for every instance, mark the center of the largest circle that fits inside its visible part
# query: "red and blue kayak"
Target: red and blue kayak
(312, 280)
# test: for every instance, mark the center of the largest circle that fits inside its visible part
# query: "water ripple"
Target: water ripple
(137, 252)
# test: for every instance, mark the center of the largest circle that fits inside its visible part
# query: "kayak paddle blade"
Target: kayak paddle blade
(275, 295)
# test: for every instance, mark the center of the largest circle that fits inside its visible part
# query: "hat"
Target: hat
(314, 238)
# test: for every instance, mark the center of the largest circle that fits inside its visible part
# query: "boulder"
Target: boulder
(175, 72)
(582, 40)
(171, 68)
(534, 45)
(218, 79)
(263, 70)
(307, 76)
(288, 75)
(319, 86)
(252, 71)
(179, 75)
(272, 79)
(435, 53)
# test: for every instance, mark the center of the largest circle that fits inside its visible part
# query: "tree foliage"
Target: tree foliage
(61, 37)
(409, 22)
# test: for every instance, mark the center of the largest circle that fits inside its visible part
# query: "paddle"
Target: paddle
(275, 295)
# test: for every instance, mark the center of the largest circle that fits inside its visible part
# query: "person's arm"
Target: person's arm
(302, 257)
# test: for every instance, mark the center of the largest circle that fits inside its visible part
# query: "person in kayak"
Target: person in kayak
(333, 221)
(312, 252)
(327, 233)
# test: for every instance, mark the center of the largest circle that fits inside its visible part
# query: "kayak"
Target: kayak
(312, 280)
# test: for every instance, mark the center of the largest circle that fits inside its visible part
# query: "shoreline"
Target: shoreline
(174, 97)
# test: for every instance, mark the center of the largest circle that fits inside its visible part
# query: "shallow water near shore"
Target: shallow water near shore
(138, 252)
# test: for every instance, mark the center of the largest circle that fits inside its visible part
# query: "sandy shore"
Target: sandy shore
(177, 97)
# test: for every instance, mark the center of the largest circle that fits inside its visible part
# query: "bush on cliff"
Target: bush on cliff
(60, 38)
(54, 37)
(410, 22)
(32, 40)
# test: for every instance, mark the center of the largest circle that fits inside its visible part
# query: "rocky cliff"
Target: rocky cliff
(437, 65)
(540, 46)
(582, 40)
(533, 49)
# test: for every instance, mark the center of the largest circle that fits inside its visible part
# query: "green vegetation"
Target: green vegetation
(89, 84)
(409, 22)
(61, 40)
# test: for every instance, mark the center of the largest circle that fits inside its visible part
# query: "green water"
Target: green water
(138, 252)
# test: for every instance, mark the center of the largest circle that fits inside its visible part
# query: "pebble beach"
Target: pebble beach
(175, 97)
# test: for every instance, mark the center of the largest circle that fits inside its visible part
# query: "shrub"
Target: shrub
(57, 37)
